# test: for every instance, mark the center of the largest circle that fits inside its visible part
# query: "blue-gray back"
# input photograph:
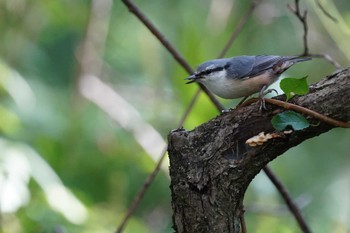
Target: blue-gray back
(250, 66)
(245, 66)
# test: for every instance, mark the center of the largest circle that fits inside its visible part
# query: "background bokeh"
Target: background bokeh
(88, 96)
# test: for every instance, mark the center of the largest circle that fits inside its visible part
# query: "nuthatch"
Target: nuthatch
(242, 76)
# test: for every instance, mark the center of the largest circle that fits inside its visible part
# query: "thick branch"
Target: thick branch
(211, 166)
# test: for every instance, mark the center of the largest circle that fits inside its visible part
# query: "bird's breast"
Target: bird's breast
(231, 88)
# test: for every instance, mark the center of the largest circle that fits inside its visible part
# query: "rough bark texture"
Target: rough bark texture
(211, 166)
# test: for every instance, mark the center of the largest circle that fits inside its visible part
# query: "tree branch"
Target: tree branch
(211, 166)
(182, 62)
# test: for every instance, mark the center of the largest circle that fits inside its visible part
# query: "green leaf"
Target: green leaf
(289, 118)
(294, 86)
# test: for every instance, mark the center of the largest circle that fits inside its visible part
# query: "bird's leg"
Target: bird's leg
(262, 94)
(261, 97)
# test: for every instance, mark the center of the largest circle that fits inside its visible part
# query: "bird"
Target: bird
(242, 76)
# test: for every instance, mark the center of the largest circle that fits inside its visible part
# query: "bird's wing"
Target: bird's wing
(265, 62)
(250, 66)
(240, 67)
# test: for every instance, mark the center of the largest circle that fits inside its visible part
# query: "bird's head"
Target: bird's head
(209, 71)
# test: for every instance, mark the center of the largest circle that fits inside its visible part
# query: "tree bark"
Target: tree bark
(212, 166)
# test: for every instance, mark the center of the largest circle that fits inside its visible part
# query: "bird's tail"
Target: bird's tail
(287, 62)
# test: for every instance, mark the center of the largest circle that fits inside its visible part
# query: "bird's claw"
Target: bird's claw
(269, 91)
(262, 104)
(262, 93)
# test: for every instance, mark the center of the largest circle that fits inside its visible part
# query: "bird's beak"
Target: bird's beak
(192, 79)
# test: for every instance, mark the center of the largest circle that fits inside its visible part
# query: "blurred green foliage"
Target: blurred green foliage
(44, 117)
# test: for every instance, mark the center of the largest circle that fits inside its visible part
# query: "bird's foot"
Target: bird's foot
(262, 94)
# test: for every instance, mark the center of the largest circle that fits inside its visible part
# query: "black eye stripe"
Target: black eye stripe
(208, 71)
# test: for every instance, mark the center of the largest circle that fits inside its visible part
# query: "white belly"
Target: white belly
(234, 88)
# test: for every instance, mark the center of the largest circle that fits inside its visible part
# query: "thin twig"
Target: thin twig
(279, 210)
(303, 19)
(309, 112)
(327, 58)
(286, 197)
(300, 109)
(189, 108)
(137, 199)
(177, 56)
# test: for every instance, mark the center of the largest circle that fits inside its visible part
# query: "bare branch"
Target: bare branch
(140, 194)
(177, 56)
(285, 195)
(328, 58)
(303, 19)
